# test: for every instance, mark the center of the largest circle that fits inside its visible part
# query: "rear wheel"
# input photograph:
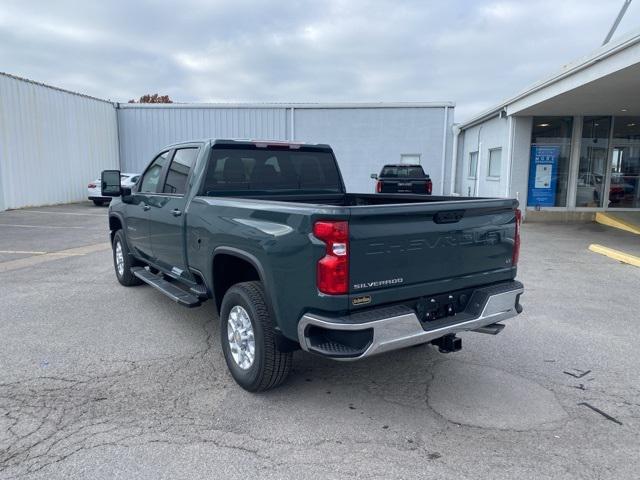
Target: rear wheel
(248, 339)
(123, 262)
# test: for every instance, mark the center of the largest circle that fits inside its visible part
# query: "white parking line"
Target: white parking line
(12, 225)
(48, 257)
(22, 252)
(65, 213)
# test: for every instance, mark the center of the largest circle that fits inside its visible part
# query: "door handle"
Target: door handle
(145, 207)
(176, 213)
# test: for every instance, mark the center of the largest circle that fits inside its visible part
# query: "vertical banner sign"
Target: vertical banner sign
(543, 176)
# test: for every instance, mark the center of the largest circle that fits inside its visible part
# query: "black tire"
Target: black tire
(125, 277)
(98, 203)
(270, 367)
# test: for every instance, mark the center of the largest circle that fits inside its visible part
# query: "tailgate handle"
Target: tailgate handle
(448, 217)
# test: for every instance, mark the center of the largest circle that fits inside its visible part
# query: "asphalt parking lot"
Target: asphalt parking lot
(102, 381)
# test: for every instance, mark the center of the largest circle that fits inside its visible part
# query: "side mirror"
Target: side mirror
(110, 183)
(374, 176)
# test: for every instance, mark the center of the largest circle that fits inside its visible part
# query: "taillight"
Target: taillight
(333, 269)
(379, 187)
(429, 187)
(91, 185)
(516, 242)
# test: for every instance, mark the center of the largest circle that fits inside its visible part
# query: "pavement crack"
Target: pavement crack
(604, 414)
(51, 418)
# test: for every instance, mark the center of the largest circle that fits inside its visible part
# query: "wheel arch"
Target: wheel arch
(116, 222)
(219, 289)
(250, 268)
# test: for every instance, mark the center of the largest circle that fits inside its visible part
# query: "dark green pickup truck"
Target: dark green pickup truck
(267, 231)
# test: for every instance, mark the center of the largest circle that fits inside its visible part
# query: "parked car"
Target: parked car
(589, 189)
(620, 188)
(267, 231)
(403, 178)
(590, 186)
(95, 194)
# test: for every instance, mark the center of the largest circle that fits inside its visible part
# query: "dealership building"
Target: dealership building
(566, 147)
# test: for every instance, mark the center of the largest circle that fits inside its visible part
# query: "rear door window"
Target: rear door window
(181, 165)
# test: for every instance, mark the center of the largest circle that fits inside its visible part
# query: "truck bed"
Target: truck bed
(359, 199)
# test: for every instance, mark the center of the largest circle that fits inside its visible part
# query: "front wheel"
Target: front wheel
(248, 339)
(123, 262)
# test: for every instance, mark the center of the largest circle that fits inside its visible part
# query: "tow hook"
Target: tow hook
(448, 344)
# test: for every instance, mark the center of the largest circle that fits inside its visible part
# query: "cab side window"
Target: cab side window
(151, 177)
(178, 173)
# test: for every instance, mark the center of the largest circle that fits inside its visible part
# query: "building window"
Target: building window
(549, 163)
(473, 164)
(495, 163)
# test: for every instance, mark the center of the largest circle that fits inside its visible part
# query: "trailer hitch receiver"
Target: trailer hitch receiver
(448, 343)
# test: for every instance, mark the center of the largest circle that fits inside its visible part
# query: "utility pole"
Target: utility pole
(623, 10)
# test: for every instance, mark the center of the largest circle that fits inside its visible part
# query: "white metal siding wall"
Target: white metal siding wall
(52, 143)
(485, 136)
(521, 155)
(460, 165)
(144, 130)
(448, 154)
(364, 139)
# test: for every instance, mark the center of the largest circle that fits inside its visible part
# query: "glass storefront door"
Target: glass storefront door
(624, 182)
(592, 169)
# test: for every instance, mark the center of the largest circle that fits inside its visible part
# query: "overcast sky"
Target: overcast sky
(475, 53)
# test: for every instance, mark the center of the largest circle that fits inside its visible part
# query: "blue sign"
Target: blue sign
(543, 176)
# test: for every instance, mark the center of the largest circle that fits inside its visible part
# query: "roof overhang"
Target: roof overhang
(604, 83)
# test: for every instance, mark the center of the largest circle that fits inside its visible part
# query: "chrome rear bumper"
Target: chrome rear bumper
(396, 327)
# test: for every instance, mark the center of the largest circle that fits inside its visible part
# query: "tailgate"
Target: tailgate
(408, 250)
(404, 186)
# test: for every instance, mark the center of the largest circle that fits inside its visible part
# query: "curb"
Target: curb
(615, 254)
(611, 221)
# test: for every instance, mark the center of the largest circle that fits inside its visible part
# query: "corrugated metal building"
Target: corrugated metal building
(52, 142)
(364, 136)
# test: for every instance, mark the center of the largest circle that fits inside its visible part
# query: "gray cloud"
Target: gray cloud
(472, 52)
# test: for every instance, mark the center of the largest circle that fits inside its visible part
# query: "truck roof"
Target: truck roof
(402, 165)
(252, 143)
(266, 142)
